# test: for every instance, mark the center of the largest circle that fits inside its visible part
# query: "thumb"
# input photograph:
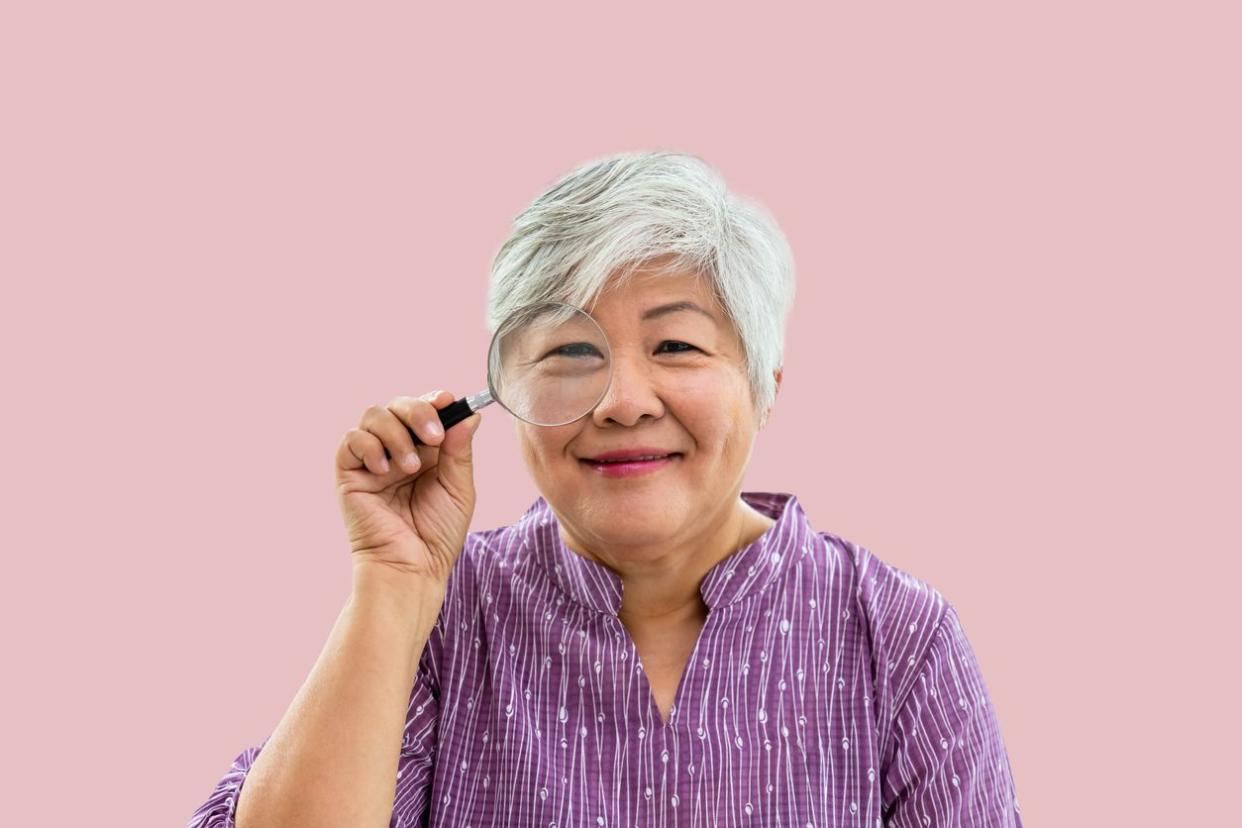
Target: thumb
(455, 459)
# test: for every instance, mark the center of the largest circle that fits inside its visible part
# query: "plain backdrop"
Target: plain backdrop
(1012, 369)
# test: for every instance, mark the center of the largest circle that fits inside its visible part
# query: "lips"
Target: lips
(630, 466)
(637, 454)
(636, 459)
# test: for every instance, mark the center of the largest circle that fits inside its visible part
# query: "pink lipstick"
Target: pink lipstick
(629, 463)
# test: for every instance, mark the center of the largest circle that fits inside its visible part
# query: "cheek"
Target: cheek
(722, 445)
(719, 423)
(542, 448)
(533, 452)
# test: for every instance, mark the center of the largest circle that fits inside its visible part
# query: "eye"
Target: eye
(576, 349)
(678, 350)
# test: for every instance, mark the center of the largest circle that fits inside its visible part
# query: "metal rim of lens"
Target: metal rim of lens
(491, 350)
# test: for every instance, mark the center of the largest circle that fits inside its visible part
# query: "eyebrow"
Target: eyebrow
(674, 307)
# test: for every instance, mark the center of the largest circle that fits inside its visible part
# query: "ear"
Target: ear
(777, 374)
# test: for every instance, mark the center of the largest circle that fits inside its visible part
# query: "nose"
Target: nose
(631, 395)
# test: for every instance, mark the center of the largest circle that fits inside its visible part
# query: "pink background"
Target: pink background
(1012, 369)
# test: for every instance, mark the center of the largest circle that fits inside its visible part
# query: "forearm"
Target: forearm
(332, 759)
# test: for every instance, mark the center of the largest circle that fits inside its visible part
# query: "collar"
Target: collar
(744, 573)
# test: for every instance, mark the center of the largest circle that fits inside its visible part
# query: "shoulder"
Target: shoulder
(889, 597)
(488, 559)
(488, 554)
(928, 689)
(894, 601)
(900, 615)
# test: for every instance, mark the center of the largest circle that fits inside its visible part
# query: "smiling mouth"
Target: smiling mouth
(630, 466)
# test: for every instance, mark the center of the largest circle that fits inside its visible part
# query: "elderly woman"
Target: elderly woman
(647, 644)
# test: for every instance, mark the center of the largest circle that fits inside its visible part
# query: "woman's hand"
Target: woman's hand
(407, 518)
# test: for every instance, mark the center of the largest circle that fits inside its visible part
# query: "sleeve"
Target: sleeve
(219, 809)
(414, 765)
(946, 764)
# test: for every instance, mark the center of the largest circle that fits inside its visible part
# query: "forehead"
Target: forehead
(649, 294)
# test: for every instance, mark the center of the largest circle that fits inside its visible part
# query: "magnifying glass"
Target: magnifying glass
(549, 364)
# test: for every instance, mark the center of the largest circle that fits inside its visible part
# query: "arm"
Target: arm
(946, 763)
(345, 752)
(333, 758)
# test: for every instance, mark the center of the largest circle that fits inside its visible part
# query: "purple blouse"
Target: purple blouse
(827, 688)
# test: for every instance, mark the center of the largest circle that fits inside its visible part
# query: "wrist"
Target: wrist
(416, 598)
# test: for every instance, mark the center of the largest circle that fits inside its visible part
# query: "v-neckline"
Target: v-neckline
(653, 708)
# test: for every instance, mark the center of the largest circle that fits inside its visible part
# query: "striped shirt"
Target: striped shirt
(826, 688)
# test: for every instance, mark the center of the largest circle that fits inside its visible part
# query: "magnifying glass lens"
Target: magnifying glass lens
(549, 364)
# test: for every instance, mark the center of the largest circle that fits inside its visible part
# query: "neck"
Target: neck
(661, 584)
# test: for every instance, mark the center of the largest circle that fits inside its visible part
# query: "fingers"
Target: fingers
(386, 430)
(361, 448)
(422, 415)
(455, 460)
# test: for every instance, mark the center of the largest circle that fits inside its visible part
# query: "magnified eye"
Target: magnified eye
(575, 349)
(678, 350)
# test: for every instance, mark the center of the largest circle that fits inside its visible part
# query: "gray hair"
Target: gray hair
(608, 217)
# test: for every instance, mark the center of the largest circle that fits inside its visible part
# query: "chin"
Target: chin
(646, 515)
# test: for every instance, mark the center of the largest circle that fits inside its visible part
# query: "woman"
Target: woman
(648, 644)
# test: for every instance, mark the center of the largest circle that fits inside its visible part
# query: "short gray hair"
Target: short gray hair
(609, 216)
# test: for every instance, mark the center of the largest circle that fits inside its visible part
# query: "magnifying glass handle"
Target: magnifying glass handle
(456, 411)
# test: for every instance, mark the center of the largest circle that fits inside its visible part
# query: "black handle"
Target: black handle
(450, 415)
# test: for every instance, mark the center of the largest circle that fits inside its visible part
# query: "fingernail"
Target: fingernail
(435, 428)
(411, 461)
(383, 465)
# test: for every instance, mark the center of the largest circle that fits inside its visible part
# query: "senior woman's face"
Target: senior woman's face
(679, 386)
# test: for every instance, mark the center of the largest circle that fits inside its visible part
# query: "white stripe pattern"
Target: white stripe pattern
(827, 688)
